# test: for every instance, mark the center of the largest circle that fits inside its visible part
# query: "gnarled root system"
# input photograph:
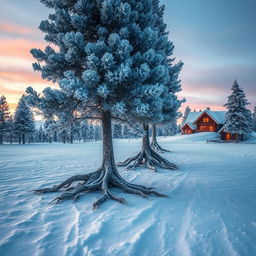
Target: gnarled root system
(101, 180)
(148, 158)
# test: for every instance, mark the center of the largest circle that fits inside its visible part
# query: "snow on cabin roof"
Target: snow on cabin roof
(193, 116)
(191, 125)
(218, 116)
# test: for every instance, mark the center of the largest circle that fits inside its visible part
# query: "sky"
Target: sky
(216, 40)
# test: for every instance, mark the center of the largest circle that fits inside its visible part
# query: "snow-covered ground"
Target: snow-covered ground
(211, 209)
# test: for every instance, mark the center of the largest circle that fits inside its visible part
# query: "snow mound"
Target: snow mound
(192, 138)
(252, 139)
(210, 210)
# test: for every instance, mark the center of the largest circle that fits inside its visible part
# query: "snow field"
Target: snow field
(210, 209)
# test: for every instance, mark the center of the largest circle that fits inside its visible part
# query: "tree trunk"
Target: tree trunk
(104, 178)
(55, 137)
(237, 138)
(145, 139)
(154, 143)
(147, 156)
(153, 132)
(108, 152)
(1, 139)
(23, 138)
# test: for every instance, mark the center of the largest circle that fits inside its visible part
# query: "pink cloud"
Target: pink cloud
(16, 29)
(22, 77)
(19, 47)
(197, 107)
(14, 83)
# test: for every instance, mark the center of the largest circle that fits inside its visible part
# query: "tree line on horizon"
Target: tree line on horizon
(22, 128)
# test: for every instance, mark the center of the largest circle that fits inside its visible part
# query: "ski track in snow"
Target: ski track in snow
(183, 246)
(211, 209)
(229, 246)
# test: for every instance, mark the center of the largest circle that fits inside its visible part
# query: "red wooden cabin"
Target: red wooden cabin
(209, 121)
(228, 136)
(206, 121)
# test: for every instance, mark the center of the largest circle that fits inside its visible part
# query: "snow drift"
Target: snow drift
(211, 209)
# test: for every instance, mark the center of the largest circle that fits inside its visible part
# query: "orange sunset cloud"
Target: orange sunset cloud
(16, 29)
(19, 47)
(16, 71)
(22, 77)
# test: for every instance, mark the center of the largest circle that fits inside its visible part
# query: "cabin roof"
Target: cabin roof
(218, 116)
(191, 125)
(223, 129)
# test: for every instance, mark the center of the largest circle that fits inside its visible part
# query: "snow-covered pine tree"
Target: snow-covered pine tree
(254, 120)
(91, 132)
(76, 130)
(109, 59)
(126, 132)
(117, 131)
(165, 109)
(172, 128)
(169, 129)
(4, 117)
(159, 131)
(84, 130)
(10, 129)
(154, 144)
(51, 127)
(238, 118)
(41, 134)
(250, 120)
(97, 134)
(23, 120)
(185, 115)
(63, 136)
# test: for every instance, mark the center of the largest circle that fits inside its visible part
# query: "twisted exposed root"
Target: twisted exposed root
(102, 181)
(156, 147)
(76, 193)
(65, 184)
(127, 161)
(150, 159)
(100, 201)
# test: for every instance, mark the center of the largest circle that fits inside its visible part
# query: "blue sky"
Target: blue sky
(216, 40)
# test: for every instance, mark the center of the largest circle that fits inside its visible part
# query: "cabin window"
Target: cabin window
(228, 136)
(203, 128)
(206, 119)
(188, 131)
(211, 129)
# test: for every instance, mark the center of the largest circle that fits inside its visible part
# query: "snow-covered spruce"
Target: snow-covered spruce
(254, 120)
(154, 144)
(167, 104)
(103, 179)
(112, 59)
(23, 120)
(147, 156)
(185, 115)
(4, 118)
(238, 119)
